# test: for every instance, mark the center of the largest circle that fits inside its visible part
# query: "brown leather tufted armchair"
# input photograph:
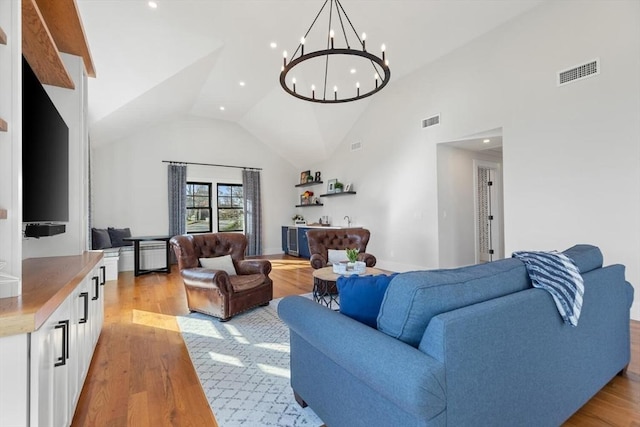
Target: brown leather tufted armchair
(214, 292)
(321, 240)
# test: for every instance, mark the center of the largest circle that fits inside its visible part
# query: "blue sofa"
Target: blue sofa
(473, 346)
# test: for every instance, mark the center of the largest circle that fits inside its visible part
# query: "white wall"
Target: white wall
(571, 154)
(71, 104)
(129, 180)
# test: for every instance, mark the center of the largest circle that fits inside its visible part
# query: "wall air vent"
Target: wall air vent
(431, 121)
(355, 146)
(579, 72)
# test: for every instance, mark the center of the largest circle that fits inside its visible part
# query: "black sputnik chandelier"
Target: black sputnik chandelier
(332, 63)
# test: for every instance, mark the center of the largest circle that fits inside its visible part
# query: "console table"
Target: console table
(137, 271)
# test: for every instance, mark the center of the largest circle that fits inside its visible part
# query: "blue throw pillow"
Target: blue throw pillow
(361, 296)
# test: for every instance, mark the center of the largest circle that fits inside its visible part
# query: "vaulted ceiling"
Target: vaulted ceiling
(190, 57)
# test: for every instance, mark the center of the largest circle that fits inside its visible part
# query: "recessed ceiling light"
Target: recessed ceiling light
(273, 45)
(242, 84)
(353, 71)
(486, 141)
(221, 108)
(153, 5)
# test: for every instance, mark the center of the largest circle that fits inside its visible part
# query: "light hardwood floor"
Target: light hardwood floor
(141, 374)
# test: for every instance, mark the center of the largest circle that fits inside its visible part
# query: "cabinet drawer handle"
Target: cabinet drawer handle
(96, 281)
(62, 360)
(103, 271)
(84, 318)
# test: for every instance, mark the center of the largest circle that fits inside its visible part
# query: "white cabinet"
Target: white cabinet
(50, 348)
(50, 364)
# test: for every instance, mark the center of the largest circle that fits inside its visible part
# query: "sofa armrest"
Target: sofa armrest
(254, 266)
(400, 373)
(368, 259)
(318, 261)
(207, 278)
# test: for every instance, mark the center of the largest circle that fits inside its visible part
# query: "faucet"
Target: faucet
(348, 220)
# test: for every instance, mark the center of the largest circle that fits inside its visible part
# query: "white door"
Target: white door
(488, 211)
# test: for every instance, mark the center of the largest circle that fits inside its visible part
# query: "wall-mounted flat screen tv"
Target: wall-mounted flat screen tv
(45, 154)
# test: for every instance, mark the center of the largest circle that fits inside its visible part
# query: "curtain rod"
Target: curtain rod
(211, 164)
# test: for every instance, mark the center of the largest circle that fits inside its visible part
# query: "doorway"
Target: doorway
(470, 206)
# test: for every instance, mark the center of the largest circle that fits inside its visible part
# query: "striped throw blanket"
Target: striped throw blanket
(557, 274)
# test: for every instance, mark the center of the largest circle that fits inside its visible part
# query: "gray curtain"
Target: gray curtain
(177, 198)
(252, 211)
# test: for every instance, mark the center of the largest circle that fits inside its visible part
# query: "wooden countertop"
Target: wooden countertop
(46, 282)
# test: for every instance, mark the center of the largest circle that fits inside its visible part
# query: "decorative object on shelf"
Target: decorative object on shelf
(316, 201)
(331, 186)
(348, 187)
(305, 198)
(343, 54)
(339, 186)
(318, 177)
(304, 177)
(298, 219)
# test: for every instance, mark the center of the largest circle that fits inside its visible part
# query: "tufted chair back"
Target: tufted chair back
(190, 248)
(321, 240)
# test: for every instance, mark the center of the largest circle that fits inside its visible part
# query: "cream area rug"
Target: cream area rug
(243, 366)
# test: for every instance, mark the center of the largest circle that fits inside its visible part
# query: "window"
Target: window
(230, 207)
(198, 207)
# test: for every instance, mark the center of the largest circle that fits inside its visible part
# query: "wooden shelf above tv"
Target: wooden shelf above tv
(48, 28)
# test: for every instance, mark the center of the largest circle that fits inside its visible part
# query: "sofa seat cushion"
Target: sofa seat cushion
(361, 296)
(413, 298)
(246, 282)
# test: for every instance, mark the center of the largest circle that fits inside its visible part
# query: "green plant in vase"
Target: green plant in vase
(352, 255)
(338, 187)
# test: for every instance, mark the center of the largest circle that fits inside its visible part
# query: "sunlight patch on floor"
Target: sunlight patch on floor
(274, 370)
(226, 359)
(154, 320)
(282, 348)
(236, 334)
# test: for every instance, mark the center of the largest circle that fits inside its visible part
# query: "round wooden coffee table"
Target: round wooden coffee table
(325, 291)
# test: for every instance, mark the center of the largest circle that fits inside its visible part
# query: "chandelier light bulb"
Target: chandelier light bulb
(301, 46)
(364, 43)
(383, 47)
(331, 34)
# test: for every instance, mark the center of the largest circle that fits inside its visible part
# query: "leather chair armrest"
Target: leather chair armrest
(207, 278)
(254, 266)
(368, 259)
(318, 261)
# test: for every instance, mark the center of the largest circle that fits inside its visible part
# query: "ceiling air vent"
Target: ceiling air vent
(579, 72)
(355, 146)
(431, 121)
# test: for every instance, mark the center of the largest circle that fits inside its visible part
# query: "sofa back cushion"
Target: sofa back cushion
(585, 257)
(413, 298)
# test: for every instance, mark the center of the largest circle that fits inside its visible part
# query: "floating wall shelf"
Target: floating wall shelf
(338, 194)
(309, 205)
(308, 184)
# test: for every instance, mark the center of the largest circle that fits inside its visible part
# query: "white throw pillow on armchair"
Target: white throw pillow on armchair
(337, 255)
(224, 263)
